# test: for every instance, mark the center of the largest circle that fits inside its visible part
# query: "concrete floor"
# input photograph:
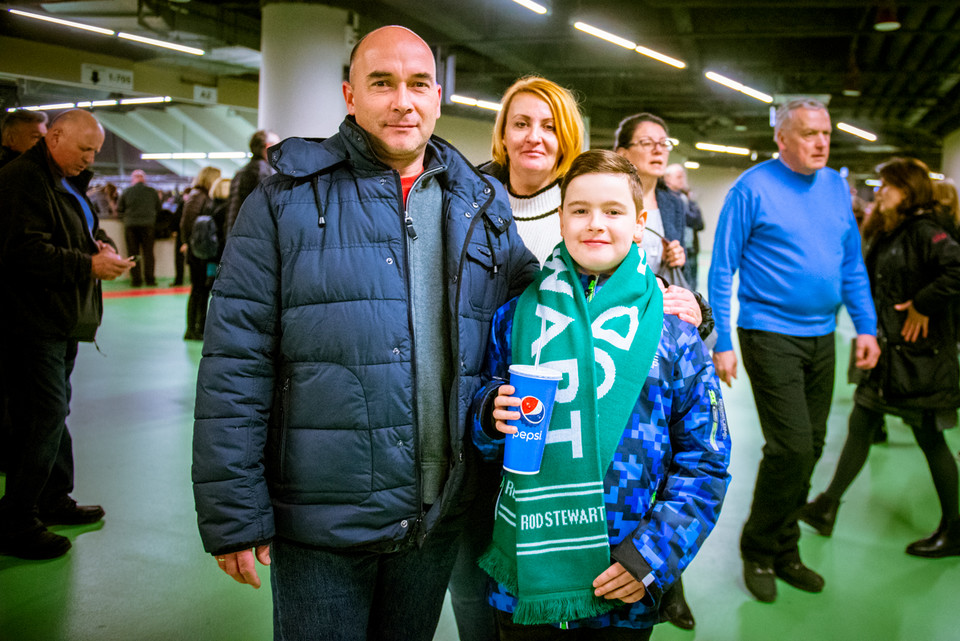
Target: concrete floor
(142, 574)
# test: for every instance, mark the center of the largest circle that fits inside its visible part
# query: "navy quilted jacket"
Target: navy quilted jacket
(666, 484)
(305, 414)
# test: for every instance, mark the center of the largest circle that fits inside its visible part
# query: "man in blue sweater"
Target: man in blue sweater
(787, 225)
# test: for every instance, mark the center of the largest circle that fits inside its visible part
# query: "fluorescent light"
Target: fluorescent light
(935, 176)
(605, 35)
(473, 102)
(196, 155)
(872, 182)
(723, 149)
(103, 103)
(65, 23)
(149, 100)
(691, 164)
(59, 105)
(739, 86)
(673, 62)
(856, 131)
(229, 155)
(161, 43)
(532, 6)
(674, 141)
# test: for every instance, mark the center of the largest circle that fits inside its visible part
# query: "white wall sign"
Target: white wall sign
(205, 94)
(106, 77)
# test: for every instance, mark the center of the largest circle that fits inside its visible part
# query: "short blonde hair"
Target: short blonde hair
(206, 177)
(568, 123)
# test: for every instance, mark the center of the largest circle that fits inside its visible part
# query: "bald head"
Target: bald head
(137, 176)
(388, 38)
(74, 138)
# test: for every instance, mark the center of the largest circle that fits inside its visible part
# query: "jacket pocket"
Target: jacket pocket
(913, 370)
(482, 285)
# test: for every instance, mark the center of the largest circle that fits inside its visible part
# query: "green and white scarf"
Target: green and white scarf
(550, 536)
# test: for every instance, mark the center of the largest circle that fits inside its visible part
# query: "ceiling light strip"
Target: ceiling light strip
(722, 149)
(532, 6)
(628, 44)
(856, 131)
(107, 32)
(65, 23)
(160, 43)
(196, 155)
(738, 86)
(473, 102)
(89, 104)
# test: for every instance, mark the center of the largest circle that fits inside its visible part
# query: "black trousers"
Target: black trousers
(200, 285)
(41, 470)
(140, 241)
(792, 380)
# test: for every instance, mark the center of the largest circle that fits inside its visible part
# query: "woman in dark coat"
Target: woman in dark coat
(914, 267)
(197, 202)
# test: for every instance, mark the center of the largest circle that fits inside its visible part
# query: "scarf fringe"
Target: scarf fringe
(582, 604)
(501, 567)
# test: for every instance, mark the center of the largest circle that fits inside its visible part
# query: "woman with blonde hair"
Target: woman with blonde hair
(196, 203)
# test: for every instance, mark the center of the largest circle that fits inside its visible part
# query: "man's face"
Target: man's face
(676, 179)
(25, 135)
(74, 146)
(805, 141)
(394, 96)
(599, 222)
(648, 150)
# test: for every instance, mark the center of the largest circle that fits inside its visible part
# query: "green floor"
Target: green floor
(142, 575)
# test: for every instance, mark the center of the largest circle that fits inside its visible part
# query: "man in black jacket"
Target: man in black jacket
(250, 175)
(54, 255)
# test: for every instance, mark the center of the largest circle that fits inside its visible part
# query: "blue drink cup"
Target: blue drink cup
(536, 387)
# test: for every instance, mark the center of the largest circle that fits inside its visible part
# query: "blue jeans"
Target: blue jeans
(41, 471)
(358, 596)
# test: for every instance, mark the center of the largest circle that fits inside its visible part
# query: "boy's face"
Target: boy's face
(599, 221)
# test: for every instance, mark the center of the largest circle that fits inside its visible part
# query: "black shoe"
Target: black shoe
(799, 576)
(674, 608)
(944, 542)
(821, 514)
(35, 544)
(760, 581)
(69, 513)
(176, 284)
(151, 283)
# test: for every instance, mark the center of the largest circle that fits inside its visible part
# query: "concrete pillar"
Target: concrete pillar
(305, 48)
(951, 156)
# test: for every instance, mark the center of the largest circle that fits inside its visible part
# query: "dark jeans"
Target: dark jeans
(476, 618)
(200, 285)
(140, 241)
(179, 260)
(41, 473)
(792, 380)
(510, 631)
(361, 596)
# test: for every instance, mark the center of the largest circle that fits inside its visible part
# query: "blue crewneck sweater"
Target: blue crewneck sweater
(794, 239)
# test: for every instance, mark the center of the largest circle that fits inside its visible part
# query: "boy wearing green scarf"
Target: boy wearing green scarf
(635, 465)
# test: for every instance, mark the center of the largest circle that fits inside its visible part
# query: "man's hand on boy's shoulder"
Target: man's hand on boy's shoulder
(681, 303)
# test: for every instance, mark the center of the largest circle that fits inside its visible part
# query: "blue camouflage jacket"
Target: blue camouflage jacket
(666, 484)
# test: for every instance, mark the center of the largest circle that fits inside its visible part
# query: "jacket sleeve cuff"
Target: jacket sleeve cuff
(627, 555)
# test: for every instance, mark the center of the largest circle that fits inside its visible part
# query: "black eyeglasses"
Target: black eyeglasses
(649, 144)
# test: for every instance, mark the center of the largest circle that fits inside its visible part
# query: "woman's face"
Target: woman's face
(648, 150)
(888, 197)
(530, 138)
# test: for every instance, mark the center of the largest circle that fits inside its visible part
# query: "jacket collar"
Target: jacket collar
(40, 155)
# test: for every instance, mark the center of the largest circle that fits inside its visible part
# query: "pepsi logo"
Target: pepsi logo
(532, 409)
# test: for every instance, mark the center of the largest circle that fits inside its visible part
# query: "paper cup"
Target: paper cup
(536, 387)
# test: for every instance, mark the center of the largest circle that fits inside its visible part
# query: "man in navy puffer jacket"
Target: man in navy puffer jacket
(343, 346)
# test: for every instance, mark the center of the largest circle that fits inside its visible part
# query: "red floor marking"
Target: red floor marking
(151, 291)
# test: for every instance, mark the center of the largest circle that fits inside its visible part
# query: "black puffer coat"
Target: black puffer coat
(918, 261)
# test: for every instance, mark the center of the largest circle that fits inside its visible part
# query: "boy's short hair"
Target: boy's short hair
(602, 161)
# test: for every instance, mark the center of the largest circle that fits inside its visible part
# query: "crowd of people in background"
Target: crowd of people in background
(406, 476)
